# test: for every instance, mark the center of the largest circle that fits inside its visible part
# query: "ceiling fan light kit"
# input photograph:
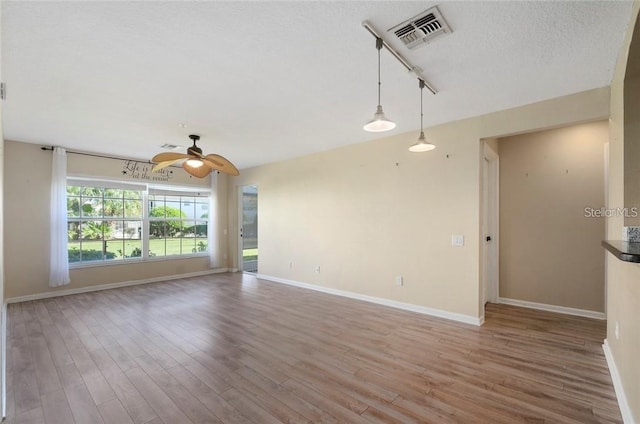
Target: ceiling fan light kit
(196, 171)
(196, 164)
(195, 151)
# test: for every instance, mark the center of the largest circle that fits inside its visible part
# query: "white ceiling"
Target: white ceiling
(265, 81)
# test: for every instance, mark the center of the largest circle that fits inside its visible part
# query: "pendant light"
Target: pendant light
(422, 145)
(379, 123)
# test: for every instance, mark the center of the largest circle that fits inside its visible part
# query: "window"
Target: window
(103, 223)
(108, 222)
(177, 224)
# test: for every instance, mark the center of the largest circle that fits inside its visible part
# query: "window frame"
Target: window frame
(145, 190)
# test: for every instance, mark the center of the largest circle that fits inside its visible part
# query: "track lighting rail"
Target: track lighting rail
(412, 69)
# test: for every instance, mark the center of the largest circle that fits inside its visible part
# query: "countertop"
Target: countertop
(623, 250)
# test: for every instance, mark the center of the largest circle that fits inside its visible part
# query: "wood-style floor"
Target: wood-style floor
(232, 349)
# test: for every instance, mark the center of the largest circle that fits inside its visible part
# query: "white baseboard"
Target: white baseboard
(3, 346)
(625, 410)
(88, 289)
(553, 308)
(467, 319)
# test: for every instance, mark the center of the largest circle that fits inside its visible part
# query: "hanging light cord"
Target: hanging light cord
(421, 83)
(379, 47)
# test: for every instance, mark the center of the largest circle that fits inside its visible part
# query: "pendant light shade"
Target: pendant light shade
(422, 145)
(379, 123)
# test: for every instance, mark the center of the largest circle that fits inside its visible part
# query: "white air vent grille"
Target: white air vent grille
(421, 29)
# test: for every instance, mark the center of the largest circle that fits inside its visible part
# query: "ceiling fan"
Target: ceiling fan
(196, 163)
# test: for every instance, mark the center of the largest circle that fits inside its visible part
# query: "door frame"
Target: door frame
(607, 153)
(239, 233)
(3, 305)
(490, 226)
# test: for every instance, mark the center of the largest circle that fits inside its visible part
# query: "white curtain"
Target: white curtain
(214, 246)
(59, 263)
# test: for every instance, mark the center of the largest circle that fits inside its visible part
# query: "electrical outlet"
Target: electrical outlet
(617, 331)
(290, 264)
(318, 269)
(224, 256)
(399, 280)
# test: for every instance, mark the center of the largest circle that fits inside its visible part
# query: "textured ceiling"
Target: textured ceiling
(265, 81)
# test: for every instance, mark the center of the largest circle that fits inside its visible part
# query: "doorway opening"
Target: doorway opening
(490, 225)
(549, 218)
(249, 228)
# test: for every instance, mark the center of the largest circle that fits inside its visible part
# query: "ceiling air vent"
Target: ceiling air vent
(168, 146)
(422, 28)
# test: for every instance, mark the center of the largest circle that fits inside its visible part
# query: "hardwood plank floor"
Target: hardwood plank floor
(229, 348)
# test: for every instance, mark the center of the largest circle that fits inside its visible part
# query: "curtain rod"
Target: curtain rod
(95, 155)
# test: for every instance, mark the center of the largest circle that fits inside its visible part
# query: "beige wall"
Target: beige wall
(369, 212)
(632, 144)
(26, 199)
(549, 251)
(623, 278)
(632, 131)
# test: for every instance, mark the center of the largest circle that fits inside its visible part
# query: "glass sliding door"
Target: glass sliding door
(249, 228)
